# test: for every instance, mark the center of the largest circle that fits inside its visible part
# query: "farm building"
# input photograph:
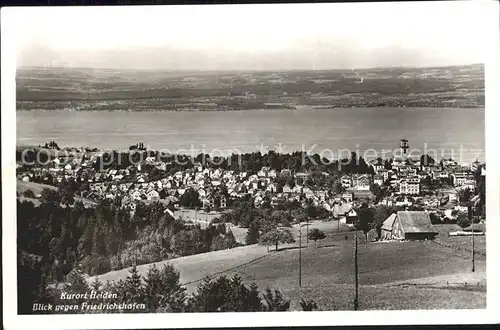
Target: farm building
(409, 225)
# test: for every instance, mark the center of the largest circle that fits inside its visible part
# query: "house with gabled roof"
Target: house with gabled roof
(408, 225)
(378, 179)
(153, 195)
(346, 181)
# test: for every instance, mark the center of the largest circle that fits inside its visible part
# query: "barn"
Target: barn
(408, 225)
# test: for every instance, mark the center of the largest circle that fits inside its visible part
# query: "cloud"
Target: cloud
(292, 36)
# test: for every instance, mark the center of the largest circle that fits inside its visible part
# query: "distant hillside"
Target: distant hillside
(100, 89)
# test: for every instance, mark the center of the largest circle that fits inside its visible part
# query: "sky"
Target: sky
(252, 37)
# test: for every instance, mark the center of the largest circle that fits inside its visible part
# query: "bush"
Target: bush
(463, 220)
(308, 305)
(29, 194)
(275, 302)
(225, 295)
(435, 218)
(316, 234)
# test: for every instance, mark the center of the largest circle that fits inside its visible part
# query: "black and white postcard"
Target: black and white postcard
(189, 166)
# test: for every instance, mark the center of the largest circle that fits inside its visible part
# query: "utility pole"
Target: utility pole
(471, 219)
(307, 231)
(472, 204)
(356, 270)
(300, 255)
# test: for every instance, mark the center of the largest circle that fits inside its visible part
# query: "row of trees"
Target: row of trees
(107, 237)
(250, 162)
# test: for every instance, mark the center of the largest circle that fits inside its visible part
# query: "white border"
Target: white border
(12, 320)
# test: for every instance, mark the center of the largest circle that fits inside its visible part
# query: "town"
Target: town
(442, 188)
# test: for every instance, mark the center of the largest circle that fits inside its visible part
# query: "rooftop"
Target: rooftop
(416, 222)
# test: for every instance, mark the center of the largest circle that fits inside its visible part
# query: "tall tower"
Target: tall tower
(404, 146)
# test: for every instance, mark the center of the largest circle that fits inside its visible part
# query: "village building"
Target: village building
(271, 188)
(301, 178)
(461, 178)
(341, 209)
(351, 217)
(449, 163)
(297, 189)
(285, 172)
(408, 225)
(346, 181)
(361, 182)
(153, 195)
(377, 165)
(384, 173)
(308, 192)
(347, 196)
(378, 179)
(439, 173)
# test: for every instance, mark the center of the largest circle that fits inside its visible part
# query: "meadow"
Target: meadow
(392, 275)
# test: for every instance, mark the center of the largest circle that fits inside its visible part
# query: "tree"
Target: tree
(376, 190)
(426, 160)
(388, 164)
(164, 292)
(190, 199)
(337, 187)
(31, 283)
(316, 234)
(276, 236)
(96, 285)
(49, 196)
(181, 243)
(309, 305)
(29, 194)
(464, 195)
(133, 286)
(365, 220)
(311, 211)
(435, 218)
(225, 295)
(275, 302)
(76, 282)
(229, 239)
(252, 236)
(381, 214)
(463, 220)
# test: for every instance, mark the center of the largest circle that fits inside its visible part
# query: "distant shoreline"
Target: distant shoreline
(256, 109)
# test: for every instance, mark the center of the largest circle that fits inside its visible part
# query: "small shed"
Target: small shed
(387, 227)
(409, 225)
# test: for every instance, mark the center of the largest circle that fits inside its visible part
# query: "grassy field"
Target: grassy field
(392, 275)
(35, 187)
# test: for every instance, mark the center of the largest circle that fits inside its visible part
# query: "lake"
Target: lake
(323, 131)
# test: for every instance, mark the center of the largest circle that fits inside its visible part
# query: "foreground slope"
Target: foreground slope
(392, 275)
